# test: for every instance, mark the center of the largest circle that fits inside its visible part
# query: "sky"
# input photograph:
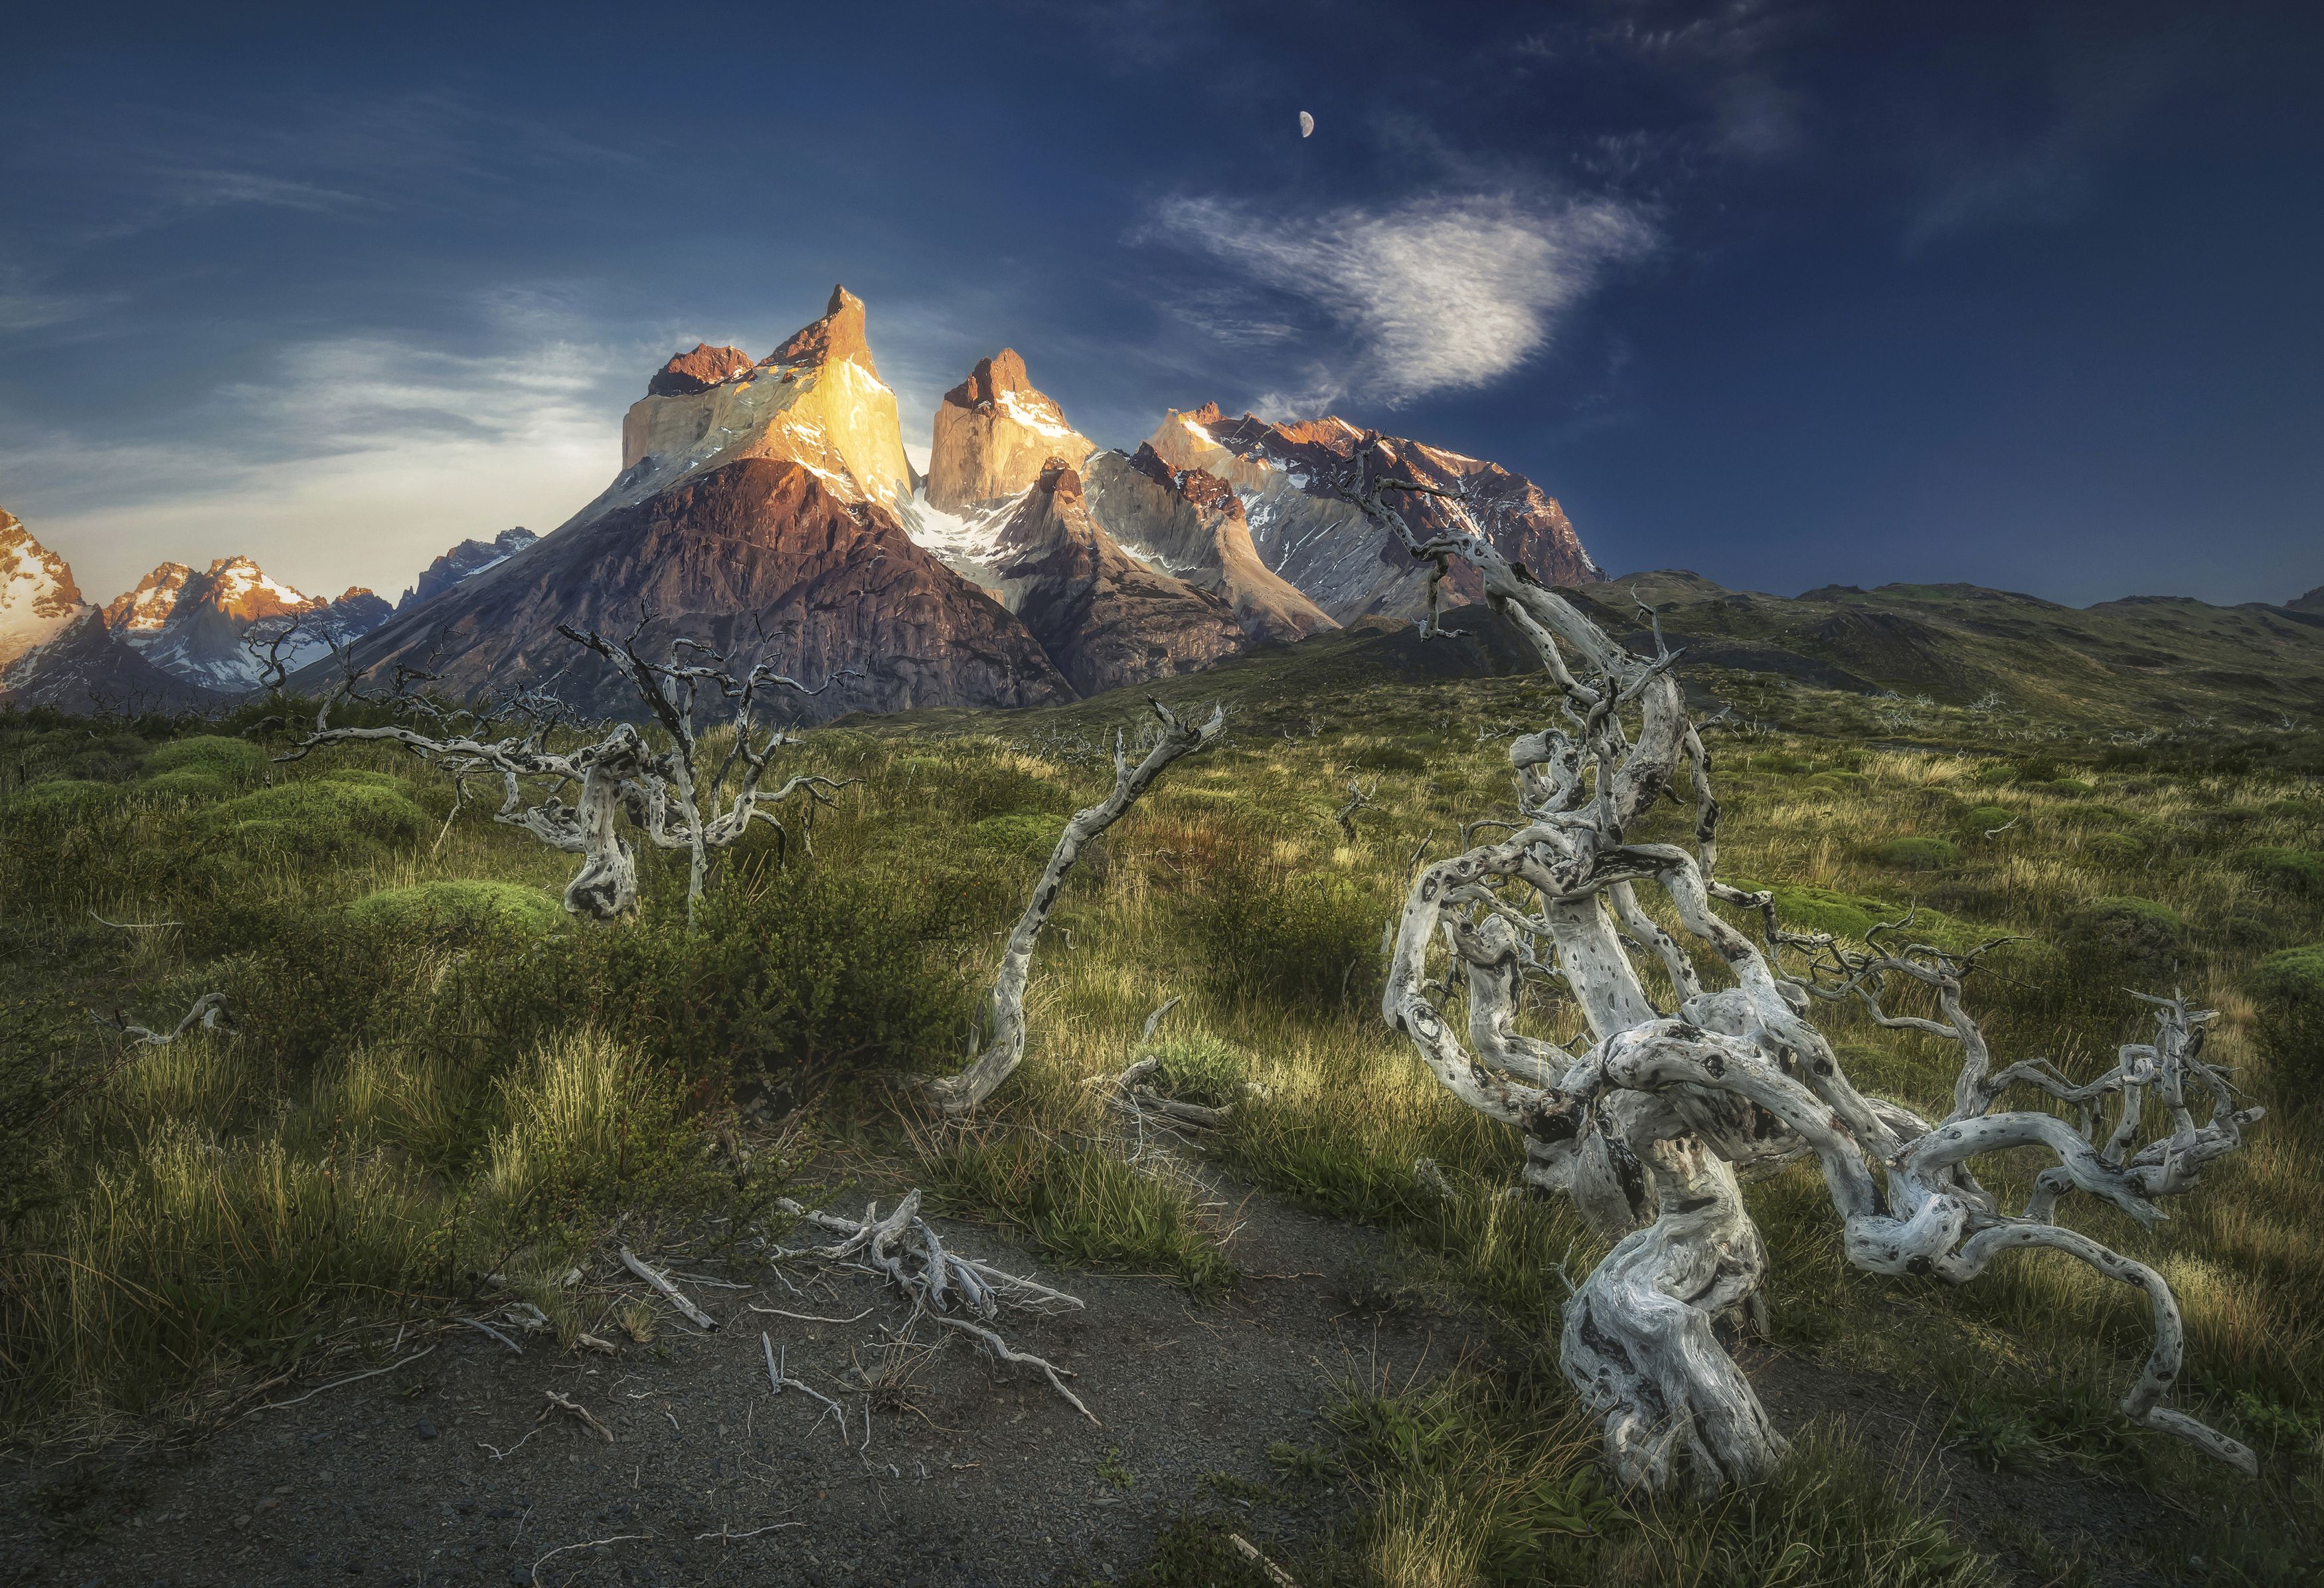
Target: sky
(2023, 294)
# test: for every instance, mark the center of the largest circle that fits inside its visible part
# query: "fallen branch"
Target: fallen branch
(335, 1383)
(1000, 1348)
(1249, 1551)
(723, 1536)
(806, 1317)
(495, 1334)
(584, 1544)
(695, 1314)
(560, 1401)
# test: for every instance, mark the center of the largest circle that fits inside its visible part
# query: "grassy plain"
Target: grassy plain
(433, 1077)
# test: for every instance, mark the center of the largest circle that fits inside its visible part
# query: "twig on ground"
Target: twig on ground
(335, 1383)
(560, 1401)
(808, 1318)
(584, 1544)
(695, 1314)
(723, 1536)
(1002, 1349)
(495, 1334)
(1249, 1551)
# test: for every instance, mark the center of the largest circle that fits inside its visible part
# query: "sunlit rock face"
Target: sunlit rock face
(38, 598)
(1326, 548)
(993, 434)
(816, 400)
(1105, 617)
(760, 510)
(56, 649)
(1191, 524)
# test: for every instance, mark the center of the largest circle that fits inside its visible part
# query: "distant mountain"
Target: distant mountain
(759, 510)
(1326, 548)
(56, 649)
(2311, 602)
(1104, 617)
(2151, 659)
(216, 629)
(38, 598)
(466, 561)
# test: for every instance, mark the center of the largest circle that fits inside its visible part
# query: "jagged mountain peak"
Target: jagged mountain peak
(705, 367)
(993, 434)
(464, 562)
(38, 598)
(1284, 471)
(839, 334)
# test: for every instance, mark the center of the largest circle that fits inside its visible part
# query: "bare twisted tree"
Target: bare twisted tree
(1645, 1128)
(615, 770)
(1002, 1049)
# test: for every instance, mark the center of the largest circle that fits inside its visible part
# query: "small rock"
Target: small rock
(424, 1428)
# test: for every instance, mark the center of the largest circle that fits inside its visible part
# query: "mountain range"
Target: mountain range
(767, 508)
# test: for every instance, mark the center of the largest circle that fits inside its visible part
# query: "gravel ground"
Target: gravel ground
(986, 1476)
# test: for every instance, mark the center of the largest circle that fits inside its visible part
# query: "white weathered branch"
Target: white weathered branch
(1004, 1044)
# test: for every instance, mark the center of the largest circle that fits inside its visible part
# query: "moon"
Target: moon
(1306, 124)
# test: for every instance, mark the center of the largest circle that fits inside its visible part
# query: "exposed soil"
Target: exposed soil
(973, 1475)
(988, 1477)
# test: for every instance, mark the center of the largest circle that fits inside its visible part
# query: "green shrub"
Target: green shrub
(2288, 989)
(2065, 787)
(2038, 769)
(313, 818)
(1979, 820)
(2115, 849)
(1994, 774)
(459, 911)
(1308, 938)
(65, 796)
(1201, 1069)
(2295, 870)
(2120, 940)
(1918, 854)
(230, 761)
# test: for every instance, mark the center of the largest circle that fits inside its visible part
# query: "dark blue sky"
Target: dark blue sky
(2019, 293)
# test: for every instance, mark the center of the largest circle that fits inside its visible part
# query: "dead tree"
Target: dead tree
(614, 770)
(1002, 1045)
(1645, 1124)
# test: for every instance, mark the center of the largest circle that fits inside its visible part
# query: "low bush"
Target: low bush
(310, 818)
(2295, 870)
(459, 911)
(2118, 937)
(2287, 990)
(1918, 854)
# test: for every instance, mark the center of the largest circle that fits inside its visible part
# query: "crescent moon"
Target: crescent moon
(1306, 124)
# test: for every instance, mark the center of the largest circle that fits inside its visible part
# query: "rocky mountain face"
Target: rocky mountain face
(467, 559)
(1104, 617)
(816, 400)
(1326, 548)
(759, 556)
(56, 649)
(995, 434)
(38, 598)
(216, 629)
(759, 510)
(1191, 524)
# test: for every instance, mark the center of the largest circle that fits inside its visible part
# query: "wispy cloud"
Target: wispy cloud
(1436, 294)
(356, 460)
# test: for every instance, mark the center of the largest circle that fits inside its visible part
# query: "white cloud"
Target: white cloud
(1432, 295)
(360, 460)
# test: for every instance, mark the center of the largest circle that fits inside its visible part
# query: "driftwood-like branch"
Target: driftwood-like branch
(660, 789)
(1645, 1127)
(1004, 1037)
(907, 1252)
(676, 1297)
(209, 1011)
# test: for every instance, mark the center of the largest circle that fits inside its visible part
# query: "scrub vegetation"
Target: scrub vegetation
(431, 1073)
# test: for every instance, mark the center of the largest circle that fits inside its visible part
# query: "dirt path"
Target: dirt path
(990, 1478)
